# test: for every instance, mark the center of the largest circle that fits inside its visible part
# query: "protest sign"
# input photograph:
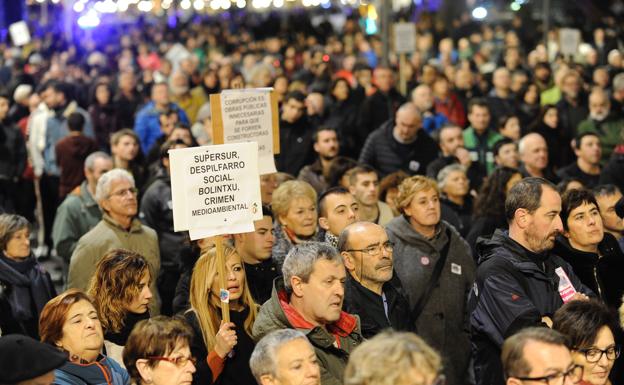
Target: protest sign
(20, 35)
(248, 115)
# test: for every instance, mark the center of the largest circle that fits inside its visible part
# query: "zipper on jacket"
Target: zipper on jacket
(597, 282)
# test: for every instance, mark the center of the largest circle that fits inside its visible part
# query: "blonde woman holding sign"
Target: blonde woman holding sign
(222, 348)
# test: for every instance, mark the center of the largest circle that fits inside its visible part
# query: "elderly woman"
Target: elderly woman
(120, 289)
(158, 353)
(393, 358)
(70, 322)
(456, 198)
(294, 207)
(590, 327)
(222, 348)
(25, 286)
(593, 253)
(424, 244)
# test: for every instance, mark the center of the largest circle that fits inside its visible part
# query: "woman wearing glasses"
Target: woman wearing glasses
(424, 245)
(70, 323)
(120, 288)
(158, 352)
(589, 326)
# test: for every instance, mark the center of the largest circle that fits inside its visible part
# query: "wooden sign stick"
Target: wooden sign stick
(222, 271)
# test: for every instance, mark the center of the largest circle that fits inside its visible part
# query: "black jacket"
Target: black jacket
(375, 111)
(370, 307)
(295, 146)
(613, 172)
(12, 152)
(514, 289)
(382, 152)
(260, 279)
(602, 274)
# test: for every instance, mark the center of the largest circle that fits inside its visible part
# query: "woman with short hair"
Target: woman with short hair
(158, 352)
(455, 188)
(590, 327)
(120, 289)
(70, 322)
(421, 241)
(295, 211)
(222, 349)
(25, 286)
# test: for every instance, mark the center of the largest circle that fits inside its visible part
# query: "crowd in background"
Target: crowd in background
(392, 203)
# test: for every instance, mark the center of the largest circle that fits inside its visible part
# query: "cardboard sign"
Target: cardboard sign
(19, 33)
(404, 37)
(248, 115)
(215, 189)
(569, 40)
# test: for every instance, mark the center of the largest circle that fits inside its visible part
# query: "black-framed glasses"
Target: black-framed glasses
(177, 361)
(594, 355)
(124, 192)
(575, 373)
(374, 250)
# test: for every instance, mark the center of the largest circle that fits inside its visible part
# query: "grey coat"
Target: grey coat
(443, 322)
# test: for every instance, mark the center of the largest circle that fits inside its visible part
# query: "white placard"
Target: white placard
(569, 40)
(236, 229)
(404, 37)
(247, 116)
(215, 188)
(19, 33)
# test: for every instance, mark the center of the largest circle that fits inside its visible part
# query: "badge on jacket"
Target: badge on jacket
(414, 165)
(425, 260)
(455, 268)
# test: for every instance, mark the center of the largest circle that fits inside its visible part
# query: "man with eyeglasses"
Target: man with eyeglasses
(372, 290)
(539, 355)
(116, 195)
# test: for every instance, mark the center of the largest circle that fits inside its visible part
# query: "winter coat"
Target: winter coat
(601, 273)
(296, 146)
(147, 124)
(332, 345)
(481, 148)
(375, 111)
(613, 172)
(78, 214)
(25, 288)
(609, 131)
(71, 152)
(382, 152)
(313, 174)
(104, 371)
(514, 289)
(108, 235)
(12, 152)
(443, 321)
(104, 118)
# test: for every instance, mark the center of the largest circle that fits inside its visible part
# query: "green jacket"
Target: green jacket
(108, 235)
(610, 133)
(332, 359)
(485, 157)
(78, 214)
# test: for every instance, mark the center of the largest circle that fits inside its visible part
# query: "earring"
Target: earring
(74, 358)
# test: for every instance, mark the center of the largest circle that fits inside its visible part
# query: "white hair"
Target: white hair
(102, 190)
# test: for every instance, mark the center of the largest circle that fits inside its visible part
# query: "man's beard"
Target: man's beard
(325, 157)
(599, 117)
(537, 243)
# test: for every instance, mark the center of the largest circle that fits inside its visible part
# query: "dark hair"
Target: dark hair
(266, 211)
(336, 190)
(500, 143)
(579, 138)
(512, 355)
(338, 167)
(581, 321)
(526, 194)
(391, 181)
(563, 185)
(75, 122)
(480, 102)
(539, 120)
(504, 119)
(335, 82)
(60, 87)
(297, 95)
(572, 199)
(490, 201)
(605, 190)
(437, 134)
(319, 129)
(168, 145)
(358, 170)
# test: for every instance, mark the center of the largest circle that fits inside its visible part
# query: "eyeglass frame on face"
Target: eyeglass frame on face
(562, 375)
(124, 192)
(374, 250)
(180, 362)
(614, 348)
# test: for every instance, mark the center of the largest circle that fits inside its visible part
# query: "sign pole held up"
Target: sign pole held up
(224, 294)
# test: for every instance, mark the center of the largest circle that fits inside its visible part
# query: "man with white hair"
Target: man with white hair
(606, 125)
(617, 94)
(275, 356)
(533, 153)
(116, 195)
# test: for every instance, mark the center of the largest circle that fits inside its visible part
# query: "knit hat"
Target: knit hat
(23, 358)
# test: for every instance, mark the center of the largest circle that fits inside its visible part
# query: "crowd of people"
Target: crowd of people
(464, 230)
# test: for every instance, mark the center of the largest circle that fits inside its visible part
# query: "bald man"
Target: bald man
(601, 121)
(422, 97)
(533, 153)
(372, 290)
(400, 144)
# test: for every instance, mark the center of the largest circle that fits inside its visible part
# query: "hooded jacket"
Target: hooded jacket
(514, 289)
(600, 272)
(332, 345)
(443, 321)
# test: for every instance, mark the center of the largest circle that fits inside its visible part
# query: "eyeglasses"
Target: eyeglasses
(575, 373)
(177, 361)
(124, 192)
(375, 249)
(593, 355)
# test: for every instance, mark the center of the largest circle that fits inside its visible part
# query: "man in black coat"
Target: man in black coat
(295, 135)
(400, 144)
(372, 290)
(12, 158)
(518, 278)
